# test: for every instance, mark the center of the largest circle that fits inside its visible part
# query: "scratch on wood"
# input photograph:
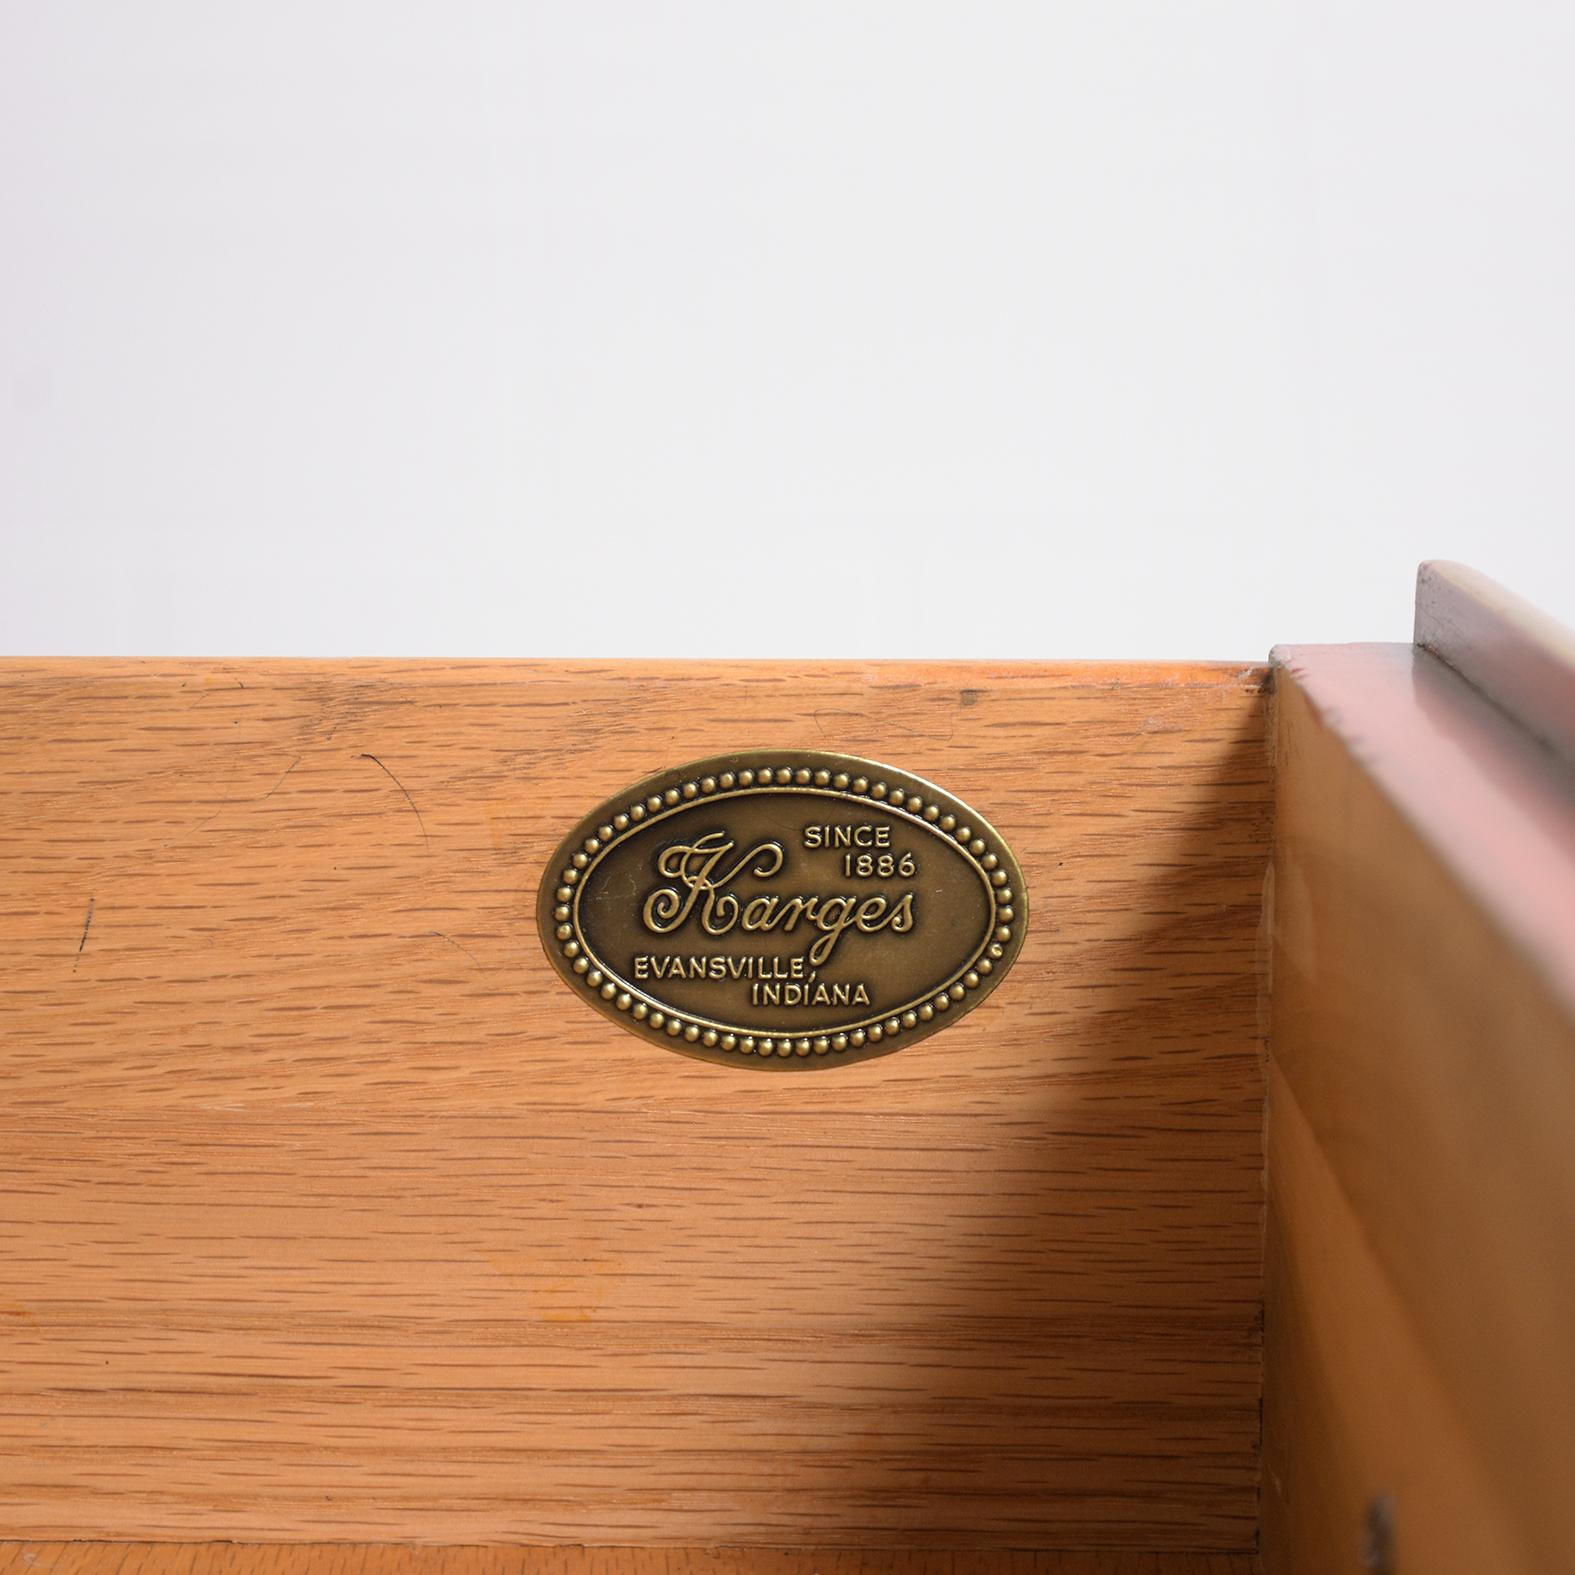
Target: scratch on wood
(439, 935)
(202, 825)
(287, 770)
(87, 924)
(403, 789)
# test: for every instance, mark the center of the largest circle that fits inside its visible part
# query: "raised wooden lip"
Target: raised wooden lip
(1470, 733)
(1503, 646)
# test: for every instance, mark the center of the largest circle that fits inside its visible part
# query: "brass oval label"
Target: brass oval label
(783, 908)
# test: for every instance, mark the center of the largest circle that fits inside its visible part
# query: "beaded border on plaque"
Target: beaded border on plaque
(982, 846)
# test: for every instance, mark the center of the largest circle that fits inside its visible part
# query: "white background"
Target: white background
(1095, 329)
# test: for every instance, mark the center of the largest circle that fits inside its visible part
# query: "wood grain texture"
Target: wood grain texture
(1521, 659)
(1421, 1275)
(118, 1558)
(332, 1214)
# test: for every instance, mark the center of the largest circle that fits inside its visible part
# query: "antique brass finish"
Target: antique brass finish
(783, 908)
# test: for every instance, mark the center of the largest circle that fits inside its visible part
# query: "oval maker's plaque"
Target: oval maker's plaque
(783, 909)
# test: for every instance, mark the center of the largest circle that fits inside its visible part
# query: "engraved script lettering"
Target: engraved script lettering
(695, 866)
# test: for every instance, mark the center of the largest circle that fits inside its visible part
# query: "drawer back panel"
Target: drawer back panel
(331, 1213)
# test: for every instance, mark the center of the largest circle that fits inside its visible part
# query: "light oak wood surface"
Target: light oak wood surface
(332, 1214)
(1421, 1265)
(112, 1558)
